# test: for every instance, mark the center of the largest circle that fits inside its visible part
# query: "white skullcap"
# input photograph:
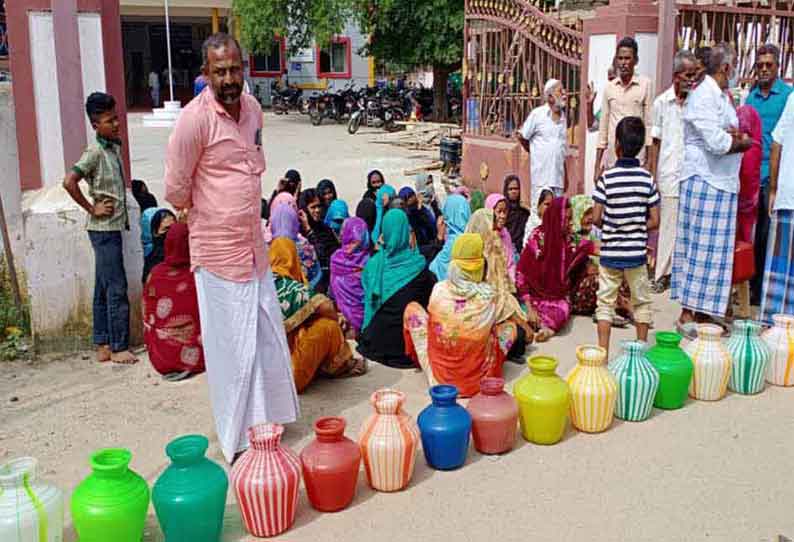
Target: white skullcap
(551, 84)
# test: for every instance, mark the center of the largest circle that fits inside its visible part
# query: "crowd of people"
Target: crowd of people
(270, 294)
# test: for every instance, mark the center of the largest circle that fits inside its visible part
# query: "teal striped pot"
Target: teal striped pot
(638, 382)
(750, 356)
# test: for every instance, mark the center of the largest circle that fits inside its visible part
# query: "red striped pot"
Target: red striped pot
(389, 440)
(266, 480)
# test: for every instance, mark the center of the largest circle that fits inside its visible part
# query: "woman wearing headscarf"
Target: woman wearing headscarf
(367, 212)
(517, 215)
(347, 264)
(549, 261)
(322, 237)
(465, 334)
(394, 277)
(284, 223)
(383, 198)
(477, 201)
(456, 216)
(423, 223)
(336, 215)
(536, 218)
(327, 192)
(584, 281)
(142, 195)
(498, 204)
(290, 183)
(171, 327)
(496, 275)
(375, 180)
(158, 225)
(423, 183)
(749, 174)
(315, 340)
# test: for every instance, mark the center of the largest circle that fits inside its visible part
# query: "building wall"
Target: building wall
(10, 188)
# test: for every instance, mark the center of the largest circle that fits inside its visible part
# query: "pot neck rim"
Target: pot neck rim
(265, 436)
(747, 327)
(591, 355)
(542, 365)
(634, 347)
(110, 462)
(16, 472)
(709, 332)
(443, 394)
(387, 401)
(187, 449)
(492, 385)
(329, 428)
(669, 339)
(783, 320)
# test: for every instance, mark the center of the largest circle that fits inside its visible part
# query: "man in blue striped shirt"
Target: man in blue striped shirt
(626, 206)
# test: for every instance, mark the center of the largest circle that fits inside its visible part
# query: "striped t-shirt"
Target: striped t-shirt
(626, 192)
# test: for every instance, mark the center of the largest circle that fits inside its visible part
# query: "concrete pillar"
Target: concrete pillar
(216, 24)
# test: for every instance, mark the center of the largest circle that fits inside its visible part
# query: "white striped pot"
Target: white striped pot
(389, 440)
(712, 364)
(780, 340)
(638, 382)
(593, 390)
(750, 357)
(266, 480)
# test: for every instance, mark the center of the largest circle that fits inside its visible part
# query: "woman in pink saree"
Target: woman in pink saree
(548, 261)
(749, 174)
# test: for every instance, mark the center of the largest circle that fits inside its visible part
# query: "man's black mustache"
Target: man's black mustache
(226, 88)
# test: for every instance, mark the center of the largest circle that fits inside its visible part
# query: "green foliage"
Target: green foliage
(301, 21)
(13, 322)
(414, 32)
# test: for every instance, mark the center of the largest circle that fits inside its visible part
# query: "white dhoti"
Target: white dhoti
(249, 369)
(668, 224)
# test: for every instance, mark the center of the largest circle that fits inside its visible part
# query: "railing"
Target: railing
(512, 48)
(746, 25)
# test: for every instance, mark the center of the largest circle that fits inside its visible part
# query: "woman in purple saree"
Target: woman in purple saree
(347, 263)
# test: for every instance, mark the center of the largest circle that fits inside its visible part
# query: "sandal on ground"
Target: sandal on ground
(177, 376)
(688, 330)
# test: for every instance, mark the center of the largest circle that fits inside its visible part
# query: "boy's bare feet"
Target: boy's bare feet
(103, 353)
(125, 357)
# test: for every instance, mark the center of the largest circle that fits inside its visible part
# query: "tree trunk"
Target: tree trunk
(440, 106)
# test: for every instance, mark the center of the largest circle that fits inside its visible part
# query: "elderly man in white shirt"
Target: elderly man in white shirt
(703, 259)
(667, 157)
(543, 135)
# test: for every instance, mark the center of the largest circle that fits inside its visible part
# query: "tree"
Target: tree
(417, 33)
(300, 21)
(412, 33)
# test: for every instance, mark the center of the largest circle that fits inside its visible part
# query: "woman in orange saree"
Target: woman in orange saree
(465, 334)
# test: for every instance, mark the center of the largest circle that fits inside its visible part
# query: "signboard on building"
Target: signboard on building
(303, 55)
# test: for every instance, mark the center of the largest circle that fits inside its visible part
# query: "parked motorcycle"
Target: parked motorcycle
(377, 111)
(284, 100)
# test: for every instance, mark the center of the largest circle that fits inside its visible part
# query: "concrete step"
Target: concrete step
(163, 117)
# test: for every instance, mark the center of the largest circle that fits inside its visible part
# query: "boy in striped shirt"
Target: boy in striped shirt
(626, 206)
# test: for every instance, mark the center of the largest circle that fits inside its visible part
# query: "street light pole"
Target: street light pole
(168, 46)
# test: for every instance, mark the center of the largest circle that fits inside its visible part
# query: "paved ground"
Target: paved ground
(711, 471)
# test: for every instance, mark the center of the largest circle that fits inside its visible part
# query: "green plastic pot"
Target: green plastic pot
(675, 370)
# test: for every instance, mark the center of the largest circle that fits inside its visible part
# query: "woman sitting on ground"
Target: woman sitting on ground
(347, 264)
(158, 224)
(336, 215)
(284, 223)
(322, 237)
(498, 204)
(290, 183)
(171, 327)
(465, 334)
(456, 216)
(584, 282)
(549, 260)
(383, 199)
(394, 277)
(327, 192)
(316, 342)
(536, 218)
(517, 215)
(375, 180)
(423, 223)
(366, 211)
(481, 223)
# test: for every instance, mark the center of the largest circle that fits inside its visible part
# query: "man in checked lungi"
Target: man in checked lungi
(703, 257)
(778, 289)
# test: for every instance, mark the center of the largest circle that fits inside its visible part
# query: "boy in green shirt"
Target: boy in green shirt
(100, 166)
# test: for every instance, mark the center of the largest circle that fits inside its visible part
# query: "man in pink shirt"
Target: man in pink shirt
(213, 167)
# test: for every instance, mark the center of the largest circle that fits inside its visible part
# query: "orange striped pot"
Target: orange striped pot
(389, 440)
(712, 362)
(593, 390)
(780, 340)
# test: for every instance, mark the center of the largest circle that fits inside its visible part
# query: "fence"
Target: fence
(512, 48)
